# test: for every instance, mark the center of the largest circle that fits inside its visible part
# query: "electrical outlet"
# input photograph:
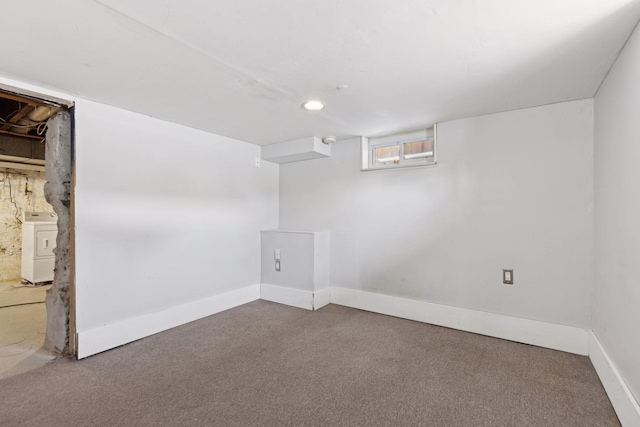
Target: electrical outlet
(277, 265)
(257, 162)
(276, 254)
(507, 277)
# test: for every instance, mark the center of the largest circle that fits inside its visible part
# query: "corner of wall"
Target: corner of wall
(623, 401)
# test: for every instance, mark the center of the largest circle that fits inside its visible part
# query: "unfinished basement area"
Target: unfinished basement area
(296, 213)
(33, 331)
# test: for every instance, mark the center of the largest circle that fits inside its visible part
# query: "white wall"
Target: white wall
(164, 214)
(616, 313)
(511, 190)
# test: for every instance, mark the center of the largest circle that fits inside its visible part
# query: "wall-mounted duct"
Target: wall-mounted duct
(296, 150)
(21, 153)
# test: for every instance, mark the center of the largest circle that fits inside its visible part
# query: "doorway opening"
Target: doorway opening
(36, 280)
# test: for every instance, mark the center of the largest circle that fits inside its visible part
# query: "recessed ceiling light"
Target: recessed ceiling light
(313, 105)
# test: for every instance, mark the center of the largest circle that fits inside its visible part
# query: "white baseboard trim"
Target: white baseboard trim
(295, 297)
(287, 296)
(542, 334)
(623, 401)
(321, 298)
(116, 334)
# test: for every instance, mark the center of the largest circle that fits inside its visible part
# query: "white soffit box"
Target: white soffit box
(296, 150)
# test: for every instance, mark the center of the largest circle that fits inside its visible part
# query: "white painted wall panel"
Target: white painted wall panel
(165, 214)
(304, 259)
(616, 313)
(296, 259)
(511, 190)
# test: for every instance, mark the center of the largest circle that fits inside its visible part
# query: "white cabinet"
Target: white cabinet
(295, 268)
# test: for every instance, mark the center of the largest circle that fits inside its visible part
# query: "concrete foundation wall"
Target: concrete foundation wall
(11, 215)
(58, 192)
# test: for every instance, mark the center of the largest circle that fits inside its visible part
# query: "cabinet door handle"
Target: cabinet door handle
(45, 243)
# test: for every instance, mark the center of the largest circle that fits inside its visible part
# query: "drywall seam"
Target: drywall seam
(542, 334)
(241, 74)
(115, 334)
(621, 398)
(592, 184)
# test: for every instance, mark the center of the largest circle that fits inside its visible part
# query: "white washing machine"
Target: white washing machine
(39, 232)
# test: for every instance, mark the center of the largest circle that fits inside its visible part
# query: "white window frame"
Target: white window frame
(368, 146)
(372, 150)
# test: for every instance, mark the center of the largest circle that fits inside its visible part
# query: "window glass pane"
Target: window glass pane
(418, 150)
(388, 155)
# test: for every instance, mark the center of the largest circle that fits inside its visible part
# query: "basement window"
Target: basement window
(400, 150)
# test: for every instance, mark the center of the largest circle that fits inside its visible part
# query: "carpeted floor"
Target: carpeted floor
(269, 364)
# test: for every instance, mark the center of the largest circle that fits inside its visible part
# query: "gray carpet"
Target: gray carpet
(269, 364)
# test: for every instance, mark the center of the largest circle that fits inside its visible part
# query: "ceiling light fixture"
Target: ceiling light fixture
(313, 105)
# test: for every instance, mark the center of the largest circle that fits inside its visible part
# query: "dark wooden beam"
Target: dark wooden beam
(22, 99)
(17, 116)
(6, 132)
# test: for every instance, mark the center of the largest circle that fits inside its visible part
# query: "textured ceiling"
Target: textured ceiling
(243, 68)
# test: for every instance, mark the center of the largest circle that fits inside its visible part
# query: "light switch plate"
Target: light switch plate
(507, 277)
